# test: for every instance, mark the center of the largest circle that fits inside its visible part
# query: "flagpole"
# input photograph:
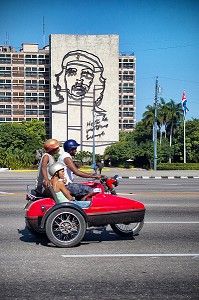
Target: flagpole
(184, 105)
(184, 140)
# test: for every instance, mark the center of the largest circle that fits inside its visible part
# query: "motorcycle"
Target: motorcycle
(65, 223)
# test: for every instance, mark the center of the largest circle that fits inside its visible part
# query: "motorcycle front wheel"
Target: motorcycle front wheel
(127, 230)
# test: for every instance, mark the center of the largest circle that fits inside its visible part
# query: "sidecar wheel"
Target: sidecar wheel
(127, 229)
(65, 227)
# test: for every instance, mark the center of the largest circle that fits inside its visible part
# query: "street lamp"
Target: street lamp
(93, 148)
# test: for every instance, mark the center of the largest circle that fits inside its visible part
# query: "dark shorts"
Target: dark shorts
(79, 190)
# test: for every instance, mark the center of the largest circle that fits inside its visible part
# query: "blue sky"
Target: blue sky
(164, 36)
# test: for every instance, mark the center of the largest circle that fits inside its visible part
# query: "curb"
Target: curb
(4, 169)
(159, 177)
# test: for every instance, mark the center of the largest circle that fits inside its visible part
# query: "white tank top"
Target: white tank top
(40, 178)
(68, 174)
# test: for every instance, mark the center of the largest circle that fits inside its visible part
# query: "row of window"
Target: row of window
(16, 106)
(5, 60)
(126, 126)
(35, 69)
(21, 87)
(26, 112)
(131, 121)
(27, 81)
(126, 97)
(124, 108)
(126, 102)
(22, 74)
(24, 68)
(126, 60)
(126, 72)
(126, 90)
(126, 66)
(15, 55)
(41, 94)
(126, 84)
(126, 114)
(127, 77)
(18, 119)
(24, 100)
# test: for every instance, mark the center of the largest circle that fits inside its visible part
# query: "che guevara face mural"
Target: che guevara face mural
(81, 81)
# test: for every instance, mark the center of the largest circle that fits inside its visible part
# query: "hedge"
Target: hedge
(178, 166)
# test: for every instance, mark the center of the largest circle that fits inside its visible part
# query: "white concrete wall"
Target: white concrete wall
(80, 118)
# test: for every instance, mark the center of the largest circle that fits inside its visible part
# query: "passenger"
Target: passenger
(57, 182)
(51, 147)
(79, 191)
(58, 185)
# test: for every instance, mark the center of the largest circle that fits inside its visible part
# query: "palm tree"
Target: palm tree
(169, 116)
(148, 116)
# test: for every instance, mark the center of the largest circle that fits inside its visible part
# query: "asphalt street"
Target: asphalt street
(160, 263)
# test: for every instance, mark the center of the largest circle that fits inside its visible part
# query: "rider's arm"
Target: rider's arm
(70, 164)
(44, 164)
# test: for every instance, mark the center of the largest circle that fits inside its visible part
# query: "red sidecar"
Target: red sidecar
(65, 224)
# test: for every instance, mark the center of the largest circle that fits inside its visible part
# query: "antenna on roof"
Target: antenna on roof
(44, 42)
(7, 38)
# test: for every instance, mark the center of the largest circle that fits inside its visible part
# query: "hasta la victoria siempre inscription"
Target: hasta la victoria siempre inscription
(82, 76)
(96, 126)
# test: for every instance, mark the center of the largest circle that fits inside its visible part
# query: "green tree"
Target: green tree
(148, 117)
(191, 141)
(19, 142)
(174, 118)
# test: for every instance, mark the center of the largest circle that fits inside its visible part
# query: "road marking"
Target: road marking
(172, 222)
(194, 193)
(4, 193)
(170, 205)
(132, 255)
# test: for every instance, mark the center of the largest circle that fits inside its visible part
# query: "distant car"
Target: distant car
(65, 224)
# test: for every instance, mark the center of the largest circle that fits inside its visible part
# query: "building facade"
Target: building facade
(84, 89)
(24, 84)
(127, 92)
(43, 84)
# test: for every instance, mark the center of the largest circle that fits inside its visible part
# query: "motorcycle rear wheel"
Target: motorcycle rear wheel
(127, 230)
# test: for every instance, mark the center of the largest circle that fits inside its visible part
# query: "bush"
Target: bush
(178, 166)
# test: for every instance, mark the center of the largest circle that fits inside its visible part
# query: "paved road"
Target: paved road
(161, 263)
(125, 173)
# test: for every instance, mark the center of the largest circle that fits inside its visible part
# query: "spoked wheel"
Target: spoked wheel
(127, 229)
(65, 227)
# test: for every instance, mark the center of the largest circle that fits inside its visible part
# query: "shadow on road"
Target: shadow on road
(92, 235)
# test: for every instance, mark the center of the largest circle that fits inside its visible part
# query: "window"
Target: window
(31, 112)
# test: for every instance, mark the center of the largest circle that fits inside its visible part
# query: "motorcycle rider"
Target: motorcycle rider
(77, 190)
(51, 147)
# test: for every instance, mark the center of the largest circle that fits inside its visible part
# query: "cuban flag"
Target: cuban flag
(184, 102)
